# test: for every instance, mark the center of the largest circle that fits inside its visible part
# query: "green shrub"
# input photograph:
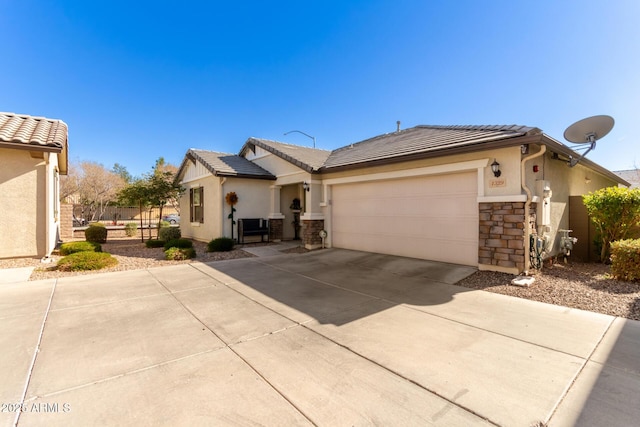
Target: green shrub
(169, 233)
(179, 254)
(221, 244)
(615, 211)
(625, 259)
(96, 232)
(131, 229)
(73, 247)
(163, 224)
(153, 243)
(178, 243)
(81, 261)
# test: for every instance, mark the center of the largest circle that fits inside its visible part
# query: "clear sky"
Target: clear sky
(136, 80)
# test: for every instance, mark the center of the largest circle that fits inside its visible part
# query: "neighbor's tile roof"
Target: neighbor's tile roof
(631, 176)
(224, 164)
(422, 140)
(29, 132)
(307, 158)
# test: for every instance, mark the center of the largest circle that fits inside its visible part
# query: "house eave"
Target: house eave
(31, 147)
(252, 143)
(559, 148)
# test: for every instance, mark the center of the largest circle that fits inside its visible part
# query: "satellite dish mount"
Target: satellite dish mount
(587, 131)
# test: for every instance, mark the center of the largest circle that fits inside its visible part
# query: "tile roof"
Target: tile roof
(309, 159)
(631, 176)
(32, 132)
(422, 140)
(224, 164)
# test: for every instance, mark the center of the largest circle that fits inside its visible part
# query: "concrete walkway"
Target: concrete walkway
(273, 249)
(15, 275)
(331, 337)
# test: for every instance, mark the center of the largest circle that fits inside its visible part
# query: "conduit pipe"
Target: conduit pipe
(527, 205)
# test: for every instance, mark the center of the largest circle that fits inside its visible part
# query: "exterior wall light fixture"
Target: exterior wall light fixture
(495, 167)
(306, 186)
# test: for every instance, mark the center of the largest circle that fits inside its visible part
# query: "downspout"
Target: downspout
(222, 217)
(48, 208)
(527, 205)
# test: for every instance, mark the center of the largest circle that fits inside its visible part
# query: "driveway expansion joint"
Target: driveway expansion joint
(575, 378)
(35, 353)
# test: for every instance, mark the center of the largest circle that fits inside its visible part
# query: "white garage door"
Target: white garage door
(429, 217)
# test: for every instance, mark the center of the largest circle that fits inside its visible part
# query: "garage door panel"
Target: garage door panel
(432, 217)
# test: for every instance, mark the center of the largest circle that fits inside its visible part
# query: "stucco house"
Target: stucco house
(33, 155)
(468, 195)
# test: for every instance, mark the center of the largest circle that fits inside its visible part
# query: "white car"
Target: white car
(172, 218)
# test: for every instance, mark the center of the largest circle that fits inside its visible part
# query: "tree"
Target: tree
(122, 172)
(96, 187)
(614, 211)
(154, 189)
(136, 193)
(69, 184)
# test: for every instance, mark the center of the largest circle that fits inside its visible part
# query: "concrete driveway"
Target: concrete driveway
(332, 337)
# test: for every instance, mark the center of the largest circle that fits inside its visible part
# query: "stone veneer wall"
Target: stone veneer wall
(501, 240)
(66, 221)
(310, 233)
(276, 229)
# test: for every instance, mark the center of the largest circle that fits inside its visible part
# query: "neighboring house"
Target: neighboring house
(426, 192)
(33, 154)
(632, 176)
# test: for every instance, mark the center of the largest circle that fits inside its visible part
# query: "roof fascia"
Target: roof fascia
(560, 148)
(283, 156)
(30, 147)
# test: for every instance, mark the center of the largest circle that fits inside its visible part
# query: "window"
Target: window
(196, 200)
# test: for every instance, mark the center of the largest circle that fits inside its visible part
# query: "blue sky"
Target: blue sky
(137, 80)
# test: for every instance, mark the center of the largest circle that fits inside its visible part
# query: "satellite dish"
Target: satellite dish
(588, 131)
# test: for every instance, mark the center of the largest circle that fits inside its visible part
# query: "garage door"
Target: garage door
(430, 217)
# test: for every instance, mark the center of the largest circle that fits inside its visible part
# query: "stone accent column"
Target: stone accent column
(310, 233)
(501, 238)
(276, 229)
(276, 218)
(66, 221)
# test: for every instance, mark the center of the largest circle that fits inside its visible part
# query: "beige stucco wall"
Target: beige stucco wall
(23, 198)
(564, 181)
(253, 202)
(286, 172)
(509, 159)
(212, 225)
(52, 233)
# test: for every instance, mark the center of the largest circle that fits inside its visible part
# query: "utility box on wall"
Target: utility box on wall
(543, 190)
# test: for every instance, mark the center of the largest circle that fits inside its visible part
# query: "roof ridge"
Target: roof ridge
(210, 151)
(513, 128)
(286, 143)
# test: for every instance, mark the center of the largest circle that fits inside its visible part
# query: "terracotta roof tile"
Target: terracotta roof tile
(33, 131)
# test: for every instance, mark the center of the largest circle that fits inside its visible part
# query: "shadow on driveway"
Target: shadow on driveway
(338, 286)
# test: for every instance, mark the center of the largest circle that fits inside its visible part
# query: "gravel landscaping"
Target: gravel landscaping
(587, 286)
(131, 255)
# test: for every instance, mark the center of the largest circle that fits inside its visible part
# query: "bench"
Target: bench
(253, 227)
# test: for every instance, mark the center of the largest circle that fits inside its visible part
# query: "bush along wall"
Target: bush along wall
(625, 259)
(97, 232)
(221, 244)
